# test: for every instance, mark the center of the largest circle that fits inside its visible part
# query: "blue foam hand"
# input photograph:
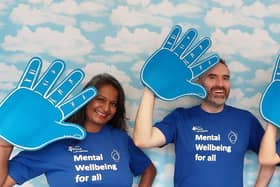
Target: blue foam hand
(170, 70)
(270, 101)
(33, 114)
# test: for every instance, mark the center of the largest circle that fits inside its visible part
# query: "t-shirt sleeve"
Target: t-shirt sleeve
(139, 161)
(168, 126)
(278, 148)
(256, 134)
(26, 165)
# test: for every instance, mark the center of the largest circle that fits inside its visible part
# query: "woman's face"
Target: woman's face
(102, 108)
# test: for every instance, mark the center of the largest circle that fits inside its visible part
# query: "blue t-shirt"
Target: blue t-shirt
(278, 148)
(108, 158)
(210, 147)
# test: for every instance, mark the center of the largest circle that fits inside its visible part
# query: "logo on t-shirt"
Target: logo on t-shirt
(76, 149)
(115, 155)
(197, 128)
(232, 137)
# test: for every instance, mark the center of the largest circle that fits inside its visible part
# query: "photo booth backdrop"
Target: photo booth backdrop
(118, 36)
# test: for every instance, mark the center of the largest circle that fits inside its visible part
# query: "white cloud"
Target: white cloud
(241, 101)
(40, 1)
(27, 15)
(127, 16)
(56, 13)
(44, 40)
(156, 14)
(132, 92)
(17, 58)
(138, 2)
(236, 93)
(8, 74)
(258, 9)
(168, 9)
(246, 16)
(275, 28)
(169, 170)
(137, 66)
(224, 18)
(262, 77)
(70, 7)
(137, 41)
(273, 10)
(229, 3)
(2, 6)
(6, 87)
(131, 110)
(90, 26)
(237, 80)
(165, 177)
(256, 46)
(116, 58)
(236, 66)
(95, 68)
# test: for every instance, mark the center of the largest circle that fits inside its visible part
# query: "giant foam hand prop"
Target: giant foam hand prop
(270, 102)
(170, 70)
(32, 114)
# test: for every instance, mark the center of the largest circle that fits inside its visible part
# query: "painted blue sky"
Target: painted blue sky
(118, 36)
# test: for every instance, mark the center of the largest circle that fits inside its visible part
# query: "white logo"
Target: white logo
(232, 137)
(76, 149)
(197, 128)
(115, 155)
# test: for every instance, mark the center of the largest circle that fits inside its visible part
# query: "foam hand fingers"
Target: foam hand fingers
(65, 87)
(73, 104)
(31, 73)
(49, 78)
(169, 71)
(33, 113)
(172, 37)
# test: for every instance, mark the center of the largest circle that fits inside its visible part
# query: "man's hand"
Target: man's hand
(270, 102)
(170, 70)
(32, 114)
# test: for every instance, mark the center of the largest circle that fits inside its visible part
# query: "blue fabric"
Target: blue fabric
(210, 147)
(33, 114)
(104, 159)
(178, 63)
(270, 101)
(278, 147)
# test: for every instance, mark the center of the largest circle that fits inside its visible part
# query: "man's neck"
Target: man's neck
(211, 108)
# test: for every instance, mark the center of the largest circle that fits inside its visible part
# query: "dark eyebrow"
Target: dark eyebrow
(227, 76)
(213, 74)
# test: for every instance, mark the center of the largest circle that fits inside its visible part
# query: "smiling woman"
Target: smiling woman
(105, 155)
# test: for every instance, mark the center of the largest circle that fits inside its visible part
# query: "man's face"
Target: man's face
(216, 81)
